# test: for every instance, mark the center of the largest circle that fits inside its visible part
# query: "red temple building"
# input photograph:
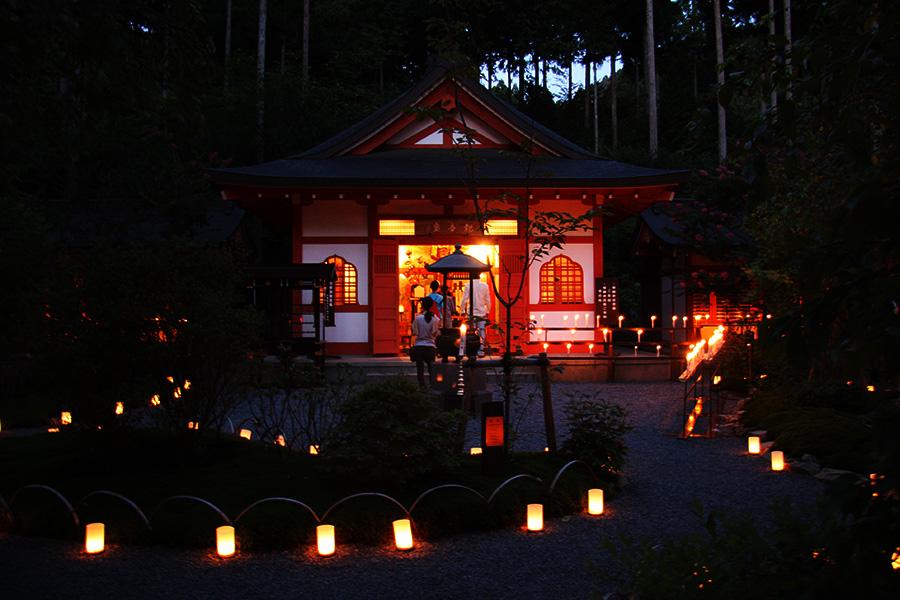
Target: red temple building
(392, 194)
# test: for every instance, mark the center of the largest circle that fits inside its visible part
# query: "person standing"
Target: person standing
(426, 327)
(449, 308)
(481, 307)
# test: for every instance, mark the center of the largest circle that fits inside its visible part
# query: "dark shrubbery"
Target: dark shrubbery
(392, 430)
(596, 432)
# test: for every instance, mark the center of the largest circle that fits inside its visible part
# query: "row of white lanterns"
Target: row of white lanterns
(94, 541)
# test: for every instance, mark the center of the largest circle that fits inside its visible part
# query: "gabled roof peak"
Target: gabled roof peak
(411, 121)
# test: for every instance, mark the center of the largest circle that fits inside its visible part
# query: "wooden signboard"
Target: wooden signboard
(493, 440)
(606, 290)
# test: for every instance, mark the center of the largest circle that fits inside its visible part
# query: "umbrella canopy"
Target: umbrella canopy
(458, 262)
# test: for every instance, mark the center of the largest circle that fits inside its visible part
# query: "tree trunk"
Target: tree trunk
(227, 77)
(614, 103)
(720, 78)
(773, 101)
(260, 78)
(596, 118)
(651, 83)
(587, 94)
(787, 35)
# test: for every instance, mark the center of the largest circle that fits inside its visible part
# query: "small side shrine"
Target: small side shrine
(296, 302)
(392, 194)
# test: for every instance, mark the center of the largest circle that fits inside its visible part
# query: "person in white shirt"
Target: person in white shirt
(481, 307)
(426, 327)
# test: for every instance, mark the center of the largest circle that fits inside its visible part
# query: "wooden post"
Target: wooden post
(549, 423)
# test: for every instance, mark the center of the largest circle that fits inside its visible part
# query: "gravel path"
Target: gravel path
(664, 476)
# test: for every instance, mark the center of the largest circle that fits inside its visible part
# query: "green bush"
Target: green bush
(596, 432)
(391, 430)
(839, 440)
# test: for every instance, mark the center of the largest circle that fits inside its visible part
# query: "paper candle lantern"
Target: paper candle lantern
(777, 460)
(225, 540)
(325, 539)
(403, 534)
(535, 517)
(65, 418)
(595, 501)
(94, 534)
(245, 433)
(753, 444)
(474, 451)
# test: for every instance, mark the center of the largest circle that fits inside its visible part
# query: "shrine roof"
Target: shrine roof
(414, 168)
(375, 153)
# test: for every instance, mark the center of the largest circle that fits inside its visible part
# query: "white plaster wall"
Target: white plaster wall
(358, 254)
(583, 254)
(335, 218)
(349, 327)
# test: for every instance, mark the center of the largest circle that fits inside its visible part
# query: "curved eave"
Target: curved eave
(430, 169)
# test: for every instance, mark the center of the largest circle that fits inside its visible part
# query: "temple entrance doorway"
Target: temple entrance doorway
(415, 281)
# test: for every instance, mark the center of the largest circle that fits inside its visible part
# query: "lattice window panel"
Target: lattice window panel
(562, 281)
(345, 287)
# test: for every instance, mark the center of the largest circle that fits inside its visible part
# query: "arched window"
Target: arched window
(562, 281)
(345, 286)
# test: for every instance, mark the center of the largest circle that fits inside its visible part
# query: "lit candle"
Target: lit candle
(572, 331)
(604, 333)
(325, 539)
(576, 319)
(635, 351)
(587, 319)
(684, 321)
(598, 321)
(94, 537)
(462, 339)
(777, 460)
(653, 321)
(674, 320)
(120, 408)
(403, 534)
(753, 444)
(565, 320)
(542, 321)
(621, 318)
(535, 517)
(658, 348)
(225, 540)
(595, 501)
(591, 348)
(568, 348)
(546, 345)
(640, 331)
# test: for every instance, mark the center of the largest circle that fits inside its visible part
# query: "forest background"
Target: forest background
(785, 111)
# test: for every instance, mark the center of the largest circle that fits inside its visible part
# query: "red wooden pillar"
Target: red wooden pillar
(385, 297)
(513, 256)
(598, 265)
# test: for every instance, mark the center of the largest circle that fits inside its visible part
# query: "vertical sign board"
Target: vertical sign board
(607, 299)
(493, 441)
(328, 303)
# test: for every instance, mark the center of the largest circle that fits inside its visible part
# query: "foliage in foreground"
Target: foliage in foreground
(849, 549)
(156, 474)
(596, 432)
(393, 430)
